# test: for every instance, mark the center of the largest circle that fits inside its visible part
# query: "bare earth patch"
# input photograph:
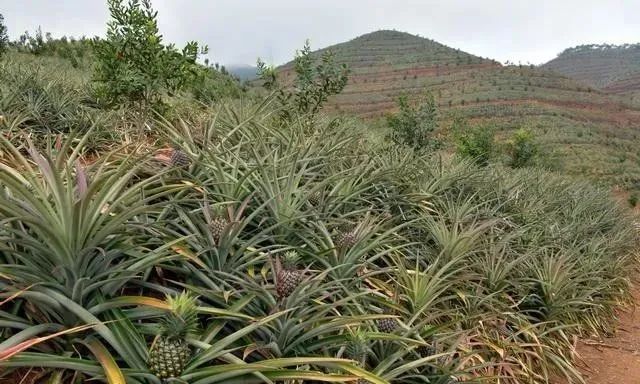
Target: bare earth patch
(614, 360)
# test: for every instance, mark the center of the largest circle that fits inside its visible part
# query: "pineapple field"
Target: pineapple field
(177, 238)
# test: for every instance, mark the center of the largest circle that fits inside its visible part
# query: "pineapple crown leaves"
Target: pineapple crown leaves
(210, 212)
(349, 234)
(291, 259)
(357, 346)
(228, 212)
(182, 318)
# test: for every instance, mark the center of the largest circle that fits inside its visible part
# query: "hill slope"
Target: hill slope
(243, 72)
(613, 68)
(592, 132)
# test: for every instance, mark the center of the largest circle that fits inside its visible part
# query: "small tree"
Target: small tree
(4, 38)
(414, 126)
(313, 84)
(474, 142)
(522, 149)
(133, 66)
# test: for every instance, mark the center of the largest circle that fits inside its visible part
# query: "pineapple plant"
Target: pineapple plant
(288, 276)
(170, 352)
(179, 159)
(357, 349)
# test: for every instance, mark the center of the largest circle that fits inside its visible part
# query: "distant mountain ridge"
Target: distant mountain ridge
(612, 68)
(243, 72)
(589, 129)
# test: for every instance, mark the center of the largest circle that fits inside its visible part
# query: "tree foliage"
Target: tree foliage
(133, 65)
(313, 85)
(4, 38)
(474, 142)
(71, 49)
(413, 126)
(522, 149)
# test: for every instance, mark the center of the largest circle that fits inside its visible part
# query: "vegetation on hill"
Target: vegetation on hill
(603, 66)
(243, 72)
(4, 38)
(220, 243)
(586, 132)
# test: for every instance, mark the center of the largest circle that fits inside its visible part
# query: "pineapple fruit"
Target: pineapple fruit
(170, 353)
(346, 239)
(217, 226)
(386, 325)
(426, 350)
(179, 159)
(288, 276)
(315, 198)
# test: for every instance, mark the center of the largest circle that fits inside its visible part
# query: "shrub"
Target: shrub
(633, 199)
(132, 65)
(69, 49)
(212, 86)
(414, 126)
(474, 142)
(522, 149)
(312, 86)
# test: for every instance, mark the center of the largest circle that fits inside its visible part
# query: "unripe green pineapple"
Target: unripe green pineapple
(357, 347)
(288, 276)
(179, 159)
(170, 353)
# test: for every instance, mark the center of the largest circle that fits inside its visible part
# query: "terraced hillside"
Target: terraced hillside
(613, 68)
(590, 132)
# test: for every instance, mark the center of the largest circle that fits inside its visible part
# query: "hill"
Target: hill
(590, 132)
(612, 68)
(243, 72)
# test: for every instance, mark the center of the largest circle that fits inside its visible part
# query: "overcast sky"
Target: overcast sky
(239, 31)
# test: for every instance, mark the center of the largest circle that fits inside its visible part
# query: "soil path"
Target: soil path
(614, 360)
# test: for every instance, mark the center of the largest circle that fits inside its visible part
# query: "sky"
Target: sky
(240, 31)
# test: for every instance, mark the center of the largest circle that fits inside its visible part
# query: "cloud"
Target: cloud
(239, 31)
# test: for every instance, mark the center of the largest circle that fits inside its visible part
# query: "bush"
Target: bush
(312, 86)
(414, 126)
(633, 199)
(212, 86)
(69, 49)
(522, 149)
(475, 143)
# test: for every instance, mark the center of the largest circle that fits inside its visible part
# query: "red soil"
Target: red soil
(614, 360)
